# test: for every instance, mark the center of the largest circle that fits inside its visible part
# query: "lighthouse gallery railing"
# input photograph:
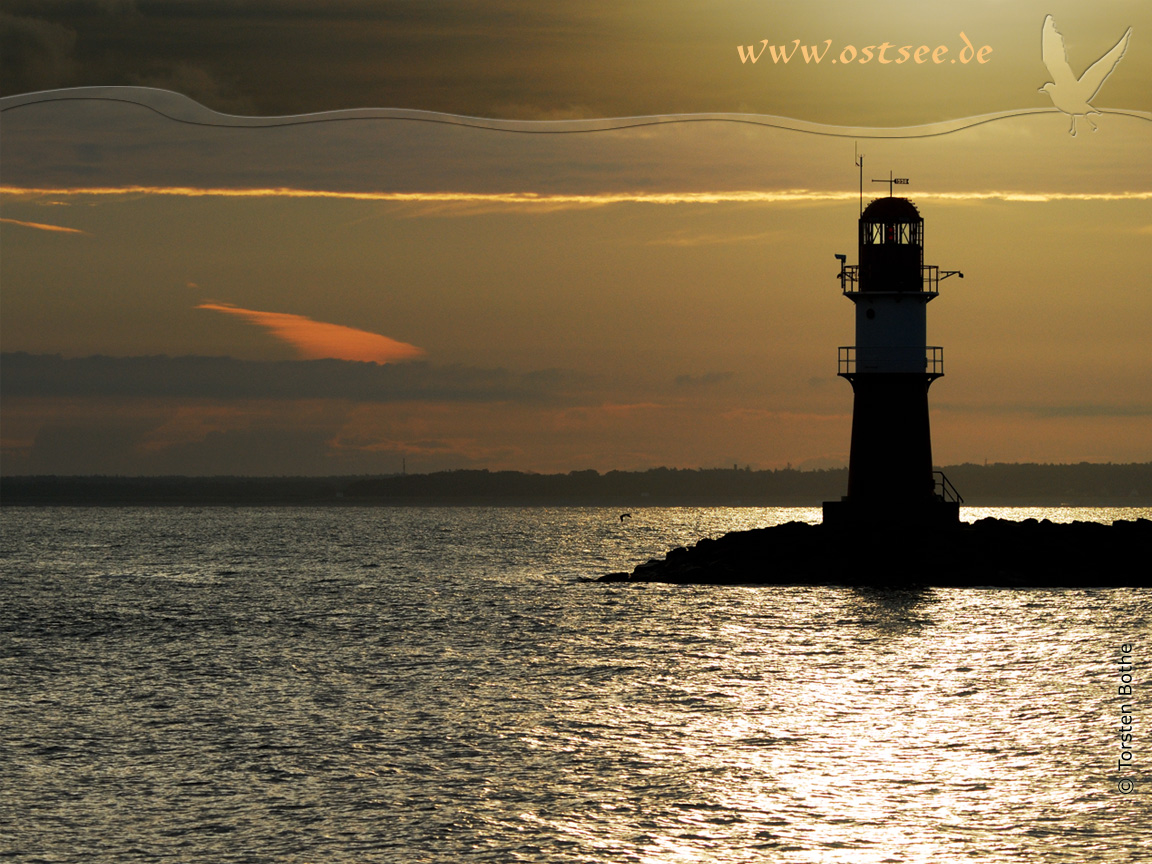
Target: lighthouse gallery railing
(854, 360)
(849, 277)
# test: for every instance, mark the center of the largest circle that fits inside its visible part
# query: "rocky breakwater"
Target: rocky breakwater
(990, 552)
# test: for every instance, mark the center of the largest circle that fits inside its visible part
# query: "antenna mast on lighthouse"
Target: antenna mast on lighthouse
(860, 165)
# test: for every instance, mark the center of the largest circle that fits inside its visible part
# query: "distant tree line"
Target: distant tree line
(1085, 484)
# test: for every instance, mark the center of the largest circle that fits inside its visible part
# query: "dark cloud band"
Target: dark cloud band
(45, 375)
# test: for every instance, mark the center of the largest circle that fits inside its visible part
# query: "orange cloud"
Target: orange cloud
(316, 340)
(42, 227)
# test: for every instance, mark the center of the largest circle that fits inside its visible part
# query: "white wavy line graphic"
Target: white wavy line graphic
(182, 109)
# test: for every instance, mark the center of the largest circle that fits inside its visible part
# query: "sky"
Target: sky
(487, 261)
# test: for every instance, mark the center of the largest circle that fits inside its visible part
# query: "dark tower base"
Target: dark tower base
(936, 513)
(891, 457)
(890, 479)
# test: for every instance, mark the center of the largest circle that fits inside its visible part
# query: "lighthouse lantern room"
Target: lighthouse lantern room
(890, 368)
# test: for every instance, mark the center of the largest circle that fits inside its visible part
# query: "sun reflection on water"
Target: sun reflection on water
(1056, 514)
(435, 685)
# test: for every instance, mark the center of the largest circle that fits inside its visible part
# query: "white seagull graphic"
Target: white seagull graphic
(1070, 94)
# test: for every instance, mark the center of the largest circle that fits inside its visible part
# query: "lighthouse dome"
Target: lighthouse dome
(891, 210)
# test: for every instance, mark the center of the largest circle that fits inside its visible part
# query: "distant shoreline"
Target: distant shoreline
(1000, 484)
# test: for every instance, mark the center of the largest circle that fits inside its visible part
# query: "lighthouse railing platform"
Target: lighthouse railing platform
(944, 489)
(849, 277)
(854, 359)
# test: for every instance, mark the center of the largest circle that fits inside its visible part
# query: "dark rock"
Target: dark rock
(990, 552)
(614, 577)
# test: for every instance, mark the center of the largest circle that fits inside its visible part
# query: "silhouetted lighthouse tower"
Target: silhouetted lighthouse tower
(891, 366)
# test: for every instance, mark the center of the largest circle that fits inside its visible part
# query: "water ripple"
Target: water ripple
(233, 685)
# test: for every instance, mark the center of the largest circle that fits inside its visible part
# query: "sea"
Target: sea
(345, 684)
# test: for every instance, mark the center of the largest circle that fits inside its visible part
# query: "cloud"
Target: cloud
(226, 378)
(687, 240)
(317, 340)
(42, 226)
(37, 54)
(220, 415)
(537, 202)
(533, 60)
(1060, 410)
(103, 443)
(130, 142)
(256, 437)
(196, 83)
(606, 414)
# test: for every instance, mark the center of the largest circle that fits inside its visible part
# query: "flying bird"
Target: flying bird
(1070, 94)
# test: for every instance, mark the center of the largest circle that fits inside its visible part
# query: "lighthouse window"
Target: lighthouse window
(902, 233)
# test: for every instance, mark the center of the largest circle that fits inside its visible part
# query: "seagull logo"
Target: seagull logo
(1070, 94)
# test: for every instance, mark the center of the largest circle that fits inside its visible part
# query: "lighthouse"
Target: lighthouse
(890, 368)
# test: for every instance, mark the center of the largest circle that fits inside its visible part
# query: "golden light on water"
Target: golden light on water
(820, 719)
(442, 667)
(1056, 514)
